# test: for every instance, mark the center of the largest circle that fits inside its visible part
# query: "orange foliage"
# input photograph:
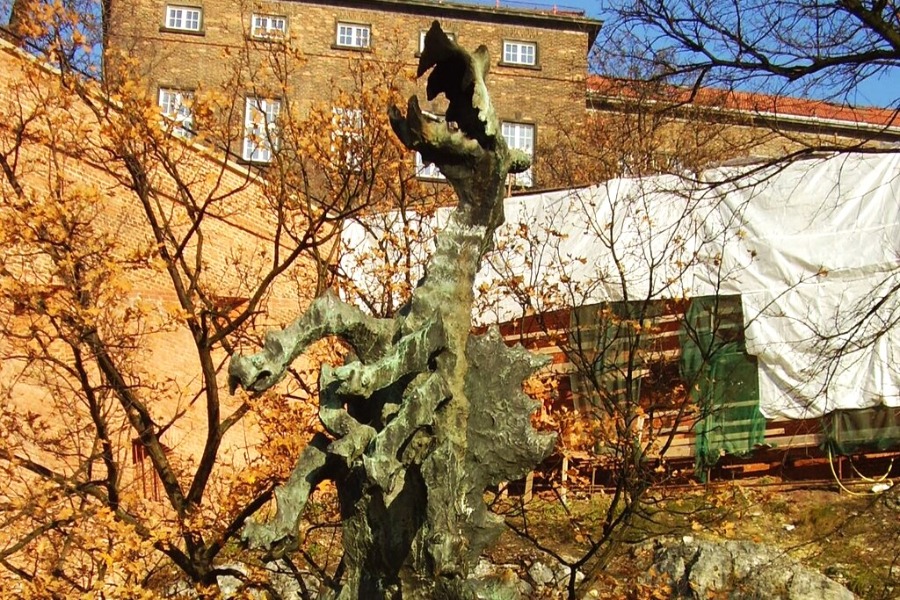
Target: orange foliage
(132, 264)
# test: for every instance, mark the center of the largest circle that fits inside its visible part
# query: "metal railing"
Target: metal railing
(553, 9)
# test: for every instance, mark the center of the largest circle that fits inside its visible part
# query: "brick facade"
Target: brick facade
(743, 125)
(62, 153)
(539, 95)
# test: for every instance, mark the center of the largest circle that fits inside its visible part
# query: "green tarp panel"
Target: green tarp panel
(851, 431)
(729, 400)
(606, 347)
(721, 375)
(723, 380)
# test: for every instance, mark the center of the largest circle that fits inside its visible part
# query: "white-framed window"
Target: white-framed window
(347, 136)
(175, 105)
(186, 18)
(520, 53)
(268, 26)
(427, 171)
(260, 129)
(521, 137)
(422, 33)
(352, 35)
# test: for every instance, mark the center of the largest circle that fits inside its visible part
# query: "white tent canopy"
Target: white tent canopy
(812, 247)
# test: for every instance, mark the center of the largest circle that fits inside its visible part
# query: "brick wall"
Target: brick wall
(540, 95)
(237, 234)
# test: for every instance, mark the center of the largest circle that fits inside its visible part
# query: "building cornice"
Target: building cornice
(757, 110)
(550, 18)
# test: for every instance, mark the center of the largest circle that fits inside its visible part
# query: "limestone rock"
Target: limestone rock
(541, 574)
(741, 569)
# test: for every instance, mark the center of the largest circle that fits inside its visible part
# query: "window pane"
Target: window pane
(192, 19)
(344, 35)
(183, 17)
(450, 35)
(347, 136)
(175, 18)
(355, 36)
(509, 52)
(261, 134)
(527, 54)
(429, 171)
(521, 137)
(175, 105)
(259, 26)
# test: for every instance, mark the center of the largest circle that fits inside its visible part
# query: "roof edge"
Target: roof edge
(553, 17)
(787, 109)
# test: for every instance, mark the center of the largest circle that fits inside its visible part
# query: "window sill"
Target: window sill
(181, 133)
(351, 48)
(199, 33)
(519, 66)
(253, 163)
(275, 41)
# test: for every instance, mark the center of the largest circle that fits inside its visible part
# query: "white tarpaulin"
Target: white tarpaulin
(816, 264)
(626, 239)
(812, 247)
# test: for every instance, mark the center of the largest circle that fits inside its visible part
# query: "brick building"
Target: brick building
(179, 46)
(717, 125)
(63, 163)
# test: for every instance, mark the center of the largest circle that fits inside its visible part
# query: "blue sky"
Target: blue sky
(880, 92)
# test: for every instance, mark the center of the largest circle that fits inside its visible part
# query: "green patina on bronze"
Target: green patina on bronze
(428, 415)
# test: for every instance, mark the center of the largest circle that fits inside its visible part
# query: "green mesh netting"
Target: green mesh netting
(609, 346)
(606, 351)
(723, 380)
(851, 431)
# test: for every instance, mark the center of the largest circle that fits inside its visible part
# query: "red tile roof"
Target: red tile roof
(770, 104)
